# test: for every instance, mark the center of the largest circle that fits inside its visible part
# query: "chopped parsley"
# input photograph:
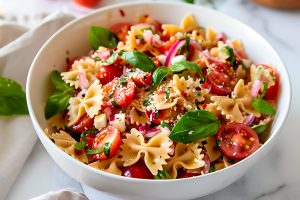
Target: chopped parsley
(168, 93)
(115, 104)
(163, 174)
(165, 124)
(123, 80)
(212, 169)
(147, 102)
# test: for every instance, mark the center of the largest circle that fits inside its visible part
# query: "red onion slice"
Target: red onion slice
(108, 112)
(249, 119)
(173, 51)
(211, 58)
(256, 86)
(221, 37)
(148, 35)
(142, 128)
(207, 164)
(152, 133)
(196, 45)
(83, 81)
(104, 55)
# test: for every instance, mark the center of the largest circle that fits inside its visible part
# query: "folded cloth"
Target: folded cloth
(64, 194)
(17, 134)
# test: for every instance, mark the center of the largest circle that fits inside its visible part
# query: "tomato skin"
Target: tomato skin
(273, 91)
(157, 117)
(108, 73)
(181, 173)
(238, 140)
(137, 170)
(111, 135)
(121, 30)
(88, 3)
(166, 46)
(83, 124)
(143, 80)
(123, 95)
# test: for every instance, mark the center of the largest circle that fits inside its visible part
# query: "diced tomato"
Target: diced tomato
(83, 124)
(238, 140)
(273, 91)
(108, 73)
(121, 30)
(143, 79)
(124, 94)
(110, 135)
(88, 3)
(158, 116)
(137, 170)
(166, 46)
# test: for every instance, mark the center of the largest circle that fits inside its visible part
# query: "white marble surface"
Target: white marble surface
(276, 177)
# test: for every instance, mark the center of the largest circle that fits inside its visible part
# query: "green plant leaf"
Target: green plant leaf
(163, 174)
(229, 51)
(260, 128)
(161, 72)
(57, 81)
(57, 103)
(139, 60)
(80, 145)
(100, 36)
(263, 107)
(12, 98)
(194, 125)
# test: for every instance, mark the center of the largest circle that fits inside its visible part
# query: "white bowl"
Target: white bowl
(74, 39)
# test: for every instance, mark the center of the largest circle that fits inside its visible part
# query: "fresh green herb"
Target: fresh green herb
(263, 107)
(139, 36)
(97, 58)
(147, 102)
(194, 125)
(259, 128)
(259, 71)
(168, 93)
(165, 124)
(139, 60)
(190, 1)
(266, 85)
(59, 100)
(106, 147)
(123, 80)
(12, 98)
(212, 169)
(161, 72)
(80, 145)
(100, 36)
(228, 50)
(187, 47)
(95, 151)
(147, 28)
(112, 58)
(92, 131)
(219, 142)
(163, 174)
(115, 104)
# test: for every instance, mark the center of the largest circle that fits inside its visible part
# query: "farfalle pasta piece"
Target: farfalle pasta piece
(155, 151)
(189, 23)
(66, 143)
(212, 149)
(236, 107)
(90, 104)
(111, 165)
(57, 121)
(137, 117)
(87, 66)
(186, 156)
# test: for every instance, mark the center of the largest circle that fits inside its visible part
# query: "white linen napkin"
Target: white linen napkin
(17, 50)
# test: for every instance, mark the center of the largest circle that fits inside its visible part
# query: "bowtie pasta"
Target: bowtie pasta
(161, 101)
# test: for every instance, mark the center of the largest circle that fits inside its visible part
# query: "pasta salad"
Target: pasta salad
(161, 101)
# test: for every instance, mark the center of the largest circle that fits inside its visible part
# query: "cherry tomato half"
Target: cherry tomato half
(124, 94)
(121, 30)
(184, 174)
(137, 170)
(109, 135)
(238, 140)
(108, 73)
(273, 91)
(143, 79)
(158, 116)
(83, 124)
(220, 80)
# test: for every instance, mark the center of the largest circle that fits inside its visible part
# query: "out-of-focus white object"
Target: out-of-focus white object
(17, 51)
(68, 194)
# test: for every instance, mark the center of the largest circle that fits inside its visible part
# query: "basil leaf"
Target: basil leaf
(12, 98)
(80, 145)
(147, 102)
(259, 128)
(190, 1)
(106, 147)
(57, 103)
(163, 174)
(165, 124)
(194, 125)
(112, 58)
(168, 93)
(91, 131)
(161, 72)
(228, 50)
(57, 81)
(100, 36)
(263, 107)
(212, 168)
(139, 60)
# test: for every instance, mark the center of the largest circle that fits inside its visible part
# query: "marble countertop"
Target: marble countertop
(276, 177)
